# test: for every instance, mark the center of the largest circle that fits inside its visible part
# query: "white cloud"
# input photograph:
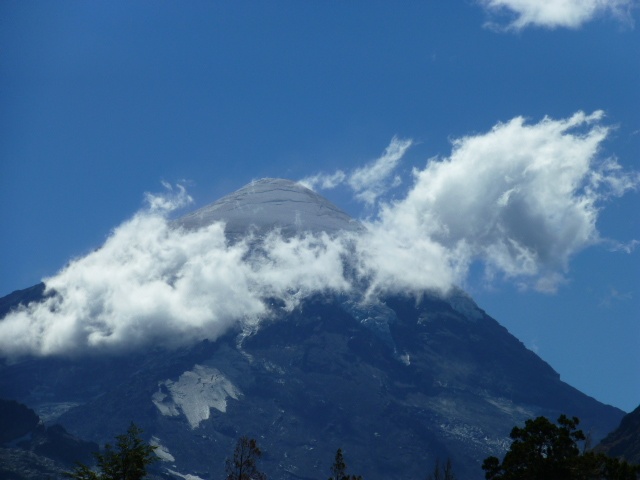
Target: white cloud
(557, 13)
(522, 199)
(151, 282)
(371, 181)
(324, 181)
(172, 199)
(405, 262)
(368, 182)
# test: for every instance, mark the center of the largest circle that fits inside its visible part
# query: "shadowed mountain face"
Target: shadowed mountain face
(396, 382)
(28, 449)
(624, 441)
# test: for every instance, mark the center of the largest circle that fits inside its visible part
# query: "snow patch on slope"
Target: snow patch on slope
(194, 394)
(186, 477)
(161, 451)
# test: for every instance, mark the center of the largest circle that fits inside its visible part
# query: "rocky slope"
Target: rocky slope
(624, 441)
(396, 385)
(29, 449)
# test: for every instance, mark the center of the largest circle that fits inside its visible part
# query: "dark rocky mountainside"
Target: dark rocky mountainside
(397, 382)
(396, 385)
(624, 441)
(29, 449)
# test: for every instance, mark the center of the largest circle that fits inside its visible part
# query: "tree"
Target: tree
(339, 469)
(448, 471)
(440, 473)
(127, 460)
(545, 451)
(243, 465)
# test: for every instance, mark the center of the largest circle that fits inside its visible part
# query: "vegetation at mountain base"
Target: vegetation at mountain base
(243, 465)
(542, 450)
(339, 469)
(127, 460)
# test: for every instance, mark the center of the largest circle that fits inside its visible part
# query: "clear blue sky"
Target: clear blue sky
(102, 101)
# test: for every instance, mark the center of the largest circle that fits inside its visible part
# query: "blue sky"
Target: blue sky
(103, 101)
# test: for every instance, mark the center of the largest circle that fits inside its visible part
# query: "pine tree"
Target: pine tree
(127, 460)
(448, 471)
(243, 465)
(339, 469)
(442, 474)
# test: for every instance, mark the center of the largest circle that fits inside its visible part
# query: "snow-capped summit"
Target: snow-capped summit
(272, 203)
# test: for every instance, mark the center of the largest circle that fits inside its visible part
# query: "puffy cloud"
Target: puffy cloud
(521, 199)
(392, 261)
(151, 282)
(370, 181)
(557, 13)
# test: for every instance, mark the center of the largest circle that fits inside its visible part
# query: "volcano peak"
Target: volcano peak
(272, 203)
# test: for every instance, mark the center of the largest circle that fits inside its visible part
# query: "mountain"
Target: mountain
(272, 203)
(29, 449)
(396, 382)
(624, 441)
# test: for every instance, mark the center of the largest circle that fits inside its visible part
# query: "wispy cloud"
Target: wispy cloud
(324, 181)
(555, 13)
(615, 296)
(521, 199)
(370, 181)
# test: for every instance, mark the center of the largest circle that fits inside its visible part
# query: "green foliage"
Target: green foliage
(127, 460)
(545, 451)
(243, 465)
(339, 469)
